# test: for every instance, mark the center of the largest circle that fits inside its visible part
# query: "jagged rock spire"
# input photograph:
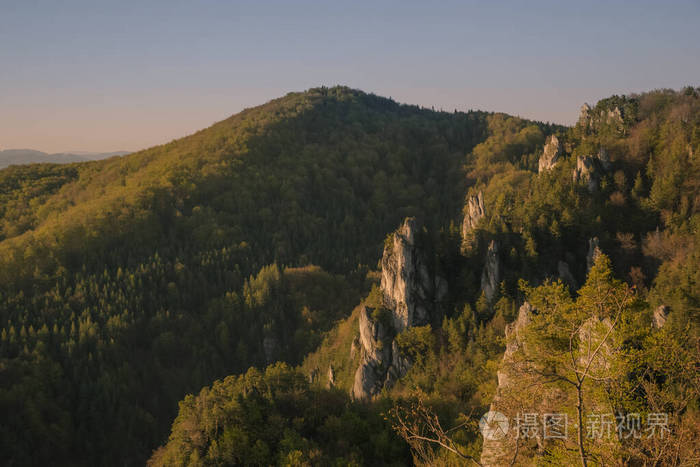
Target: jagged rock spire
(550, 155)
(411, 294)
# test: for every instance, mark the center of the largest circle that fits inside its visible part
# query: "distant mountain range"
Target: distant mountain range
(30, 156)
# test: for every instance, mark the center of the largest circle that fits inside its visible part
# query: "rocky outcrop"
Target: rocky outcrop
(411, 296)
(660, 316)
(593, 252)
(491, 275)
(376, 340)
(514, 340)
(590, 119)
(331, 377)
(498, 451)
(550, 155)
(512, 397)
(584, 117)
(590, 169)
(587, 172)
(474, 212)
(406, 284)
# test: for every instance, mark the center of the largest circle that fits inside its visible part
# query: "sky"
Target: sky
(100, 75)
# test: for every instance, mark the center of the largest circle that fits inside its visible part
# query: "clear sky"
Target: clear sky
(95, 75)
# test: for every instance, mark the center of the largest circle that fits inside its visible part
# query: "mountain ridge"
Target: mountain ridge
(129, 283)
(30, 156)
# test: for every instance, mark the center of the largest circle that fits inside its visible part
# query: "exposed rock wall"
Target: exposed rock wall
(589, 119)
(411, 296)
(406, 284)
(474, 212)
(587, 172)
(660, 316)
(500, 450)
(550, 155)
(512, 395)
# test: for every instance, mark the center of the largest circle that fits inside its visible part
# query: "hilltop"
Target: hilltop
(132, 283)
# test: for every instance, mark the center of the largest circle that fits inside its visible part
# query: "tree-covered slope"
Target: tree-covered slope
(624, 181)
(129, 282)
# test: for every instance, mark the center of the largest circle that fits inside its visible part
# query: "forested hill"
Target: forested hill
(196, 267)
(572, 288)
(129, 282)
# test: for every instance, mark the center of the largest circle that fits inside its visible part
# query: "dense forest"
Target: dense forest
(230, 270)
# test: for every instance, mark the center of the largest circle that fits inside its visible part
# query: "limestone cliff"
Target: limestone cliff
(550, 155)
(473, 213)
(375, 339)
(587, 172)
(515, 395)
(660, 315)
(499, 450)
(411, 294)
(590, 119)
(406, 285)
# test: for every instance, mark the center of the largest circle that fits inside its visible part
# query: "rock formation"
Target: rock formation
(512, 397)
(411, 296)
(406, 284)
(474, 212)
(491, 275)
(593, 252)
(660, 316)
(499, 450)
(587, 172)
(376, 340)
(590, 119)
(590, 169)
(514, 339)
(584, 117)
(550, 155)
(331, 377)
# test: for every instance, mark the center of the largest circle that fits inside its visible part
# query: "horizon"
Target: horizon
(125, 77)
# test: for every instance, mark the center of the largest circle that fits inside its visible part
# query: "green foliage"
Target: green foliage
(275, 418)
(127, 283)
(417, 343)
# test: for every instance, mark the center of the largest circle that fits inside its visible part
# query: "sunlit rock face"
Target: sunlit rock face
(474, 212)
(516, 392)
(406, 283)
(589, 119)
(587, 173)
(375, 340)
(660, 316)
(411, 295)
(550, 155)
(499, 451)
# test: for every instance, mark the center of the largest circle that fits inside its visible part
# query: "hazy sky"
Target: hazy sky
(124, 75)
